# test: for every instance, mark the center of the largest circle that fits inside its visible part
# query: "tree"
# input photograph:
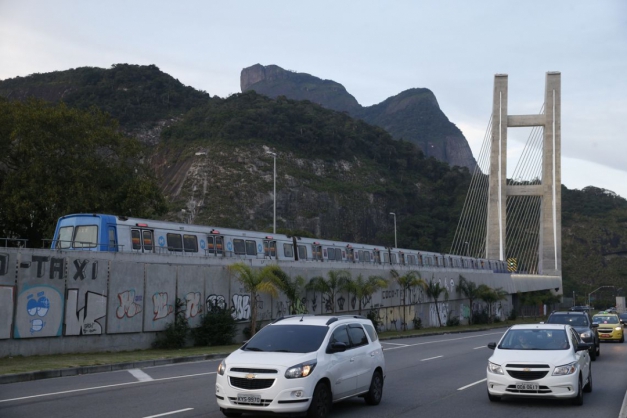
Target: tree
(470, 290)
(407, 283)
(433, 290)
(292, 289)
(255, 281)
(56, 160)
(363, 289)
(491, 296)
(331, 286)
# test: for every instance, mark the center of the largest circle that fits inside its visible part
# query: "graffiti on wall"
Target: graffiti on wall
(442, 308)
(193, 305)
(40, 312)
(241, 307)
(87, 319)
(6, 311)
(130, 304)
(160, 306)
(215, 301)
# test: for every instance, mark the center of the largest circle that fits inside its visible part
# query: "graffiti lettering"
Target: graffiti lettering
(40, 260)
(128, 306)
(241, 307)
(215, 302)
(193, 306)
(84, 321)
(161, 309)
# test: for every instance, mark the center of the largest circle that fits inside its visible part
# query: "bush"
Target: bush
(480, 317)
(452, 321)
(217, 327)
(373, 316)
(417, 323)
(513, 315)
(175, 333)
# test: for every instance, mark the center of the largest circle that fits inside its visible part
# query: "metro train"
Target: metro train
(100, 232)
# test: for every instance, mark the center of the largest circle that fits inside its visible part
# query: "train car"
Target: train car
(101, 232)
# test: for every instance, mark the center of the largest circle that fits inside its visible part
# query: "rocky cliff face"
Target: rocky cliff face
(413, 115)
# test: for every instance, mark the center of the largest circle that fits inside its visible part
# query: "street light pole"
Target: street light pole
(274, 216)
(602, 287)
(467, 249)
(395, 242)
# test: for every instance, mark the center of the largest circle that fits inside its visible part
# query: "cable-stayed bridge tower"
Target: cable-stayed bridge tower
(517, 219)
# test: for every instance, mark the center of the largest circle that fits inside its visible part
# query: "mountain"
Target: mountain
(412, 115)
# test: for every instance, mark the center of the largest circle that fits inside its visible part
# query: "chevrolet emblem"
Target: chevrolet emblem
(250, 376)
(526, 370)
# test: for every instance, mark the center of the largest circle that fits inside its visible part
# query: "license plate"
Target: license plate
(527, 386)
(605, 335)
(248, 398)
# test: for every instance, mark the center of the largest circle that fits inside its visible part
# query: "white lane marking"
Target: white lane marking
(169, 413)
(442, 341)
(472, 384)
(102, 387)
(140, 375)
(403, 345)
(430, 358)
(483, 346)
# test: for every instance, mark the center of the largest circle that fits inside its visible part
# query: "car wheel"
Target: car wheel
(578, 400)
(231, 414)
(493, 398)
(588, 387)
(622, 338)
(321, 402)
(373, 397)
(598, 348)
(593, 354)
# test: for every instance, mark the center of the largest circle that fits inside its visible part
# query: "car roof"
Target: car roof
(320, 320)
(606, 314)
(539, 326)
(568, 313)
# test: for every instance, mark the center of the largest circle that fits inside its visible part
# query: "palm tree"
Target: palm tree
(434, 290)
(470, 290)
(491, 296)
(292, 289)
(407, 283)
(364, 288)
(329, 287)
(255, 282)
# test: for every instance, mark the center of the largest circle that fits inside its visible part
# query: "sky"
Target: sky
(375, 49)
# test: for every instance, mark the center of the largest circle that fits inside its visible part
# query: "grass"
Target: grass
(21, 364)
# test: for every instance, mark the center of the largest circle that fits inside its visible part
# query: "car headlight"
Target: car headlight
(618, 328)
(301, 370)
(222, 368)
(495, 368)
(586, 334)
(565, 369)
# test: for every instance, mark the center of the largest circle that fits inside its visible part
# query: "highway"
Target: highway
(438, 376)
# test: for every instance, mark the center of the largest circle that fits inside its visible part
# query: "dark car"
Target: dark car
(622, 317)
(581, 322)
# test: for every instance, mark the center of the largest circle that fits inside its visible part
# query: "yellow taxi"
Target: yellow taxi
(610, 328)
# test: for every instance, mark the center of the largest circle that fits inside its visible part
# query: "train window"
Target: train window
(317, 252)
(331, 254)
(211, 248)
(269, 248)
(219, 245)
(338, 254)
(402, 258)
(135, 239)
(175, 242)
(239, 247)
(190, 243)
(367, 256)
(302, 252)
(64, 240)
(113, 245)
(350, 254)
(147, 240)
(377, 256)
(251, 247)
(411, 259)
(393, 258)
(386, 258)
(288, 250)
(86, 236)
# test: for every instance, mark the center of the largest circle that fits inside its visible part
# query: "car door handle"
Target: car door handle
(352, 359)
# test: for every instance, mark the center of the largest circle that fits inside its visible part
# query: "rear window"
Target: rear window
(372, 333)
(572, 320)
(288, 339)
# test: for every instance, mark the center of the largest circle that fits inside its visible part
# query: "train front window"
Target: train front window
(86, 236)
(64, 240)
(190, 243)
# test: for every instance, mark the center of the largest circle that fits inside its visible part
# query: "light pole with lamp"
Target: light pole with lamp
(395, 242)
(602, 287)
(274, 216)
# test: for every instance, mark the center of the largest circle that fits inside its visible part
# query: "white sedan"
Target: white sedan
(540, 361)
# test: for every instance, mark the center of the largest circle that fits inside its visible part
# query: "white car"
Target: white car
(301, 364)
(540, 361)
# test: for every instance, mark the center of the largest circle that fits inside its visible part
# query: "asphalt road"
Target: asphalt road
(438, 376)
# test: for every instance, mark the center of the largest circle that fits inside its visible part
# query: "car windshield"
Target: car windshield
(535, 339)
(573, 320)
(287, 338)
(605, 319)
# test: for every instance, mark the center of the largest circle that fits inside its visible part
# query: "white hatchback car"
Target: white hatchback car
(303, 363)
(540, 361)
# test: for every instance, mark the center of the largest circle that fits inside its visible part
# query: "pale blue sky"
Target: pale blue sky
(376, 49)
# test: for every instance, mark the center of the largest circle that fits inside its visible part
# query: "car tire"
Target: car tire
(622, 338)
(578, 400)
(321, 402)
(598, 348)
(374, 395)
(588, 387)
(493, 398)
(593, 354)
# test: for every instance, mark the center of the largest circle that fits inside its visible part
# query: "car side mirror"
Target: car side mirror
(583, 347)
(336, 347)
(491, 346)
